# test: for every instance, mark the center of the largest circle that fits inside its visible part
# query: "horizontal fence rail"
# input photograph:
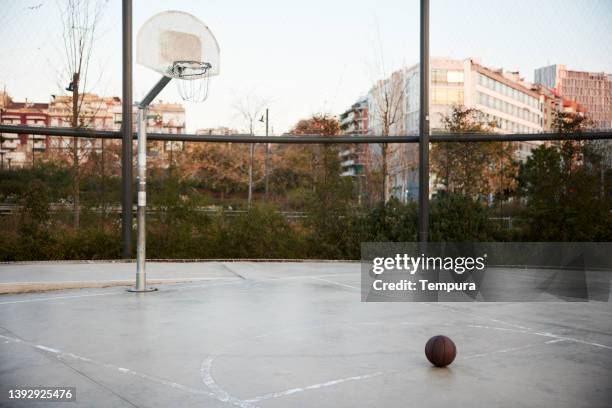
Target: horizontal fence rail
(12, 209)
(310, 139)
(7, 209)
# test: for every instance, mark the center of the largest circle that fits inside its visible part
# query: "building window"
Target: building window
(447, 96)
(438, 75)
(455, 76)
(446, 76)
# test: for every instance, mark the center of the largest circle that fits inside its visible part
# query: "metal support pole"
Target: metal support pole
(266, 159)
(141, 253)
(127, 132)
(251, 155)
(424, 127)
(159, 86)
(142, 201)
(141, 278)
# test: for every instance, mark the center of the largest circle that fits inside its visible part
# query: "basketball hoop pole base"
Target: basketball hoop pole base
(134, 290)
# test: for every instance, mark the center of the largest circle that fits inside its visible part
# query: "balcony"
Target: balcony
(9, 144)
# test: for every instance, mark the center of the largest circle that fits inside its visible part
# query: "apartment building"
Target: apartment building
(555, 103)
(165, 117)
(593, 90)
(95, 112)
(19, 150)
(504, 98)
(354, 122)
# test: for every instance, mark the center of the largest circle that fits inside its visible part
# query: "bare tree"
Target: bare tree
(386, 113)
(250, 107)
(80, 19)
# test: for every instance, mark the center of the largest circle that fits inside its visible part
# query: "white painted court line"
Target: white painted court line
(223, 395)
(313, 387)
(523, 329)
(510, 324)
(557, 337)
(507, 350)
(218, 392)
(335, 283)
(509, 329)
(554, 341)
(544, 334)
(49, 349)
(63, 356)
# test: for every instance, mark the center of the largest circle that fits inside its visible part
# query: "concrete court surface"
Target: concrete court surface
(297, 335)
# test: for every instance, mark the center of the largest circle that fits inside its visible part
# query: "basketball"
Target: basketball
(440, 351)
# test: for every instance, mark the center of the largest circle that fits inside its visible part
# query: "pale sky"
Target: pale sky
(313, 56)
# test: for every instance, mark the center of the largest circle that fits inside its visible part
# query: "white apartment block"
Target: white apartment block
(503, 98)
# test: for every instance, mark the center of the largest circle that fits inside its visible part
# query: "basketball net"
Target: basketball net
(193, 79)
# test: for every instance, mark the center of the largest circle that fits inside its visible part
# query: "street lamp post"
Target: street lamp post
(267, 153)
(251, 156)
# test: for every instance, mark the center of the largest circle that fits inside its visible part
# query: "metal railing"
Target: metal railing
(436, 137)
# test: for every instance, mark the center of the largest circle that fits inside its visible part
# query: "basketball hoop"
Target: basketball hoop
(178, 45)
(194, 79)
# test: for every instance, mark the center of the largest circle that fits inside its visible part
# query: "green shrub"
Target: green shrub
(456, 218)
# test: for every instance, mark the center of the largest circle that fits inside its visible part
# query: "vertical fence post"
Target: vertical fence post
(424, 127)
(128, 133)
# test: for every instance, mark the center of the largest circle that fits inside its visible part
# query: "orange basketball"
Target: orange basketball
(440, 351)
